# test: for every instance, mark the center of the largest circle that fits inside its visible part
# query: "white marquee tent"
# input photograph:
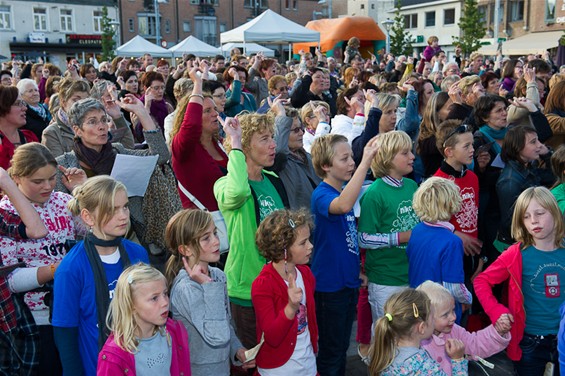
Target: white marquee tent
(139, 46)
(272, 28)
(247, 49)
(193, 45)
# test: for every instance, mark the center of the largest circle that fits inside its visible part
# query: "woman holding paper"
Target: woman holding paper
(96, 154)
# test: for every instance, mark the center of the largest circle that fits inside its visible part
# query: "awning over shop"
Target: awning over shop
(527, 44)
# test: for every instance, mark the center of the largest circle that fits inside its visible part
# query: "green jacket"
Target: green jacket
(559, 193)
(237, 203)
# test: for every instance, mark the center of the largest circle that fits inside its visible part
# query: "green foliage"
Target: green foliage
(400, 39)
(108, 42)
(471, 28)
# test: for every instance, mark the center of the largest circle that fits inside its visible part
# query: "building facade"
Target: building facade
(52, 30)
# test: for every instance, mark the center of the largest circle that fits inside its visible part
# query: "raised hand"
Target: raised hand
(277, 105)
(504, 323)
(294, 293)
(72, 177)
(530, 75)
(197, 272)
(455, 93)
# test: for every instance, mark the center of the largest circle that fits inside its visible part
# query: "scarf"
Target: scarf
(101, 162)
(41, 111)
(492, 135)
(102, 294)
(64, 118)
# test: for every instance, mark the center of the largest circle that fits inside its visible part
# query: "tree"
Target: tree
(400, 39)
(471, 28)
(108, 32)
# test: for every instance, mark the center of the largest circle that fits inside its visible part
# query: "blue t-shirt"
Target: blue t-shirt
(75, 297)
(542, 274)
(336, 253)
(435, 254)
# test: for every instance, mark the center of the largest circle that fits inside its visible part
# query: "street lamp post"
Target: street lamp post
(157, 23)
(115, 27)
(387, 24)
(329, 6)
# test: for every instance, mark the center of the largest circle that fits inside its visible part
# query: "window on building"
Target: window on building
(259, 3)
(500, 13)
(362, 6)
(5, 17)
(186, 26)
(39, 19)
(167, 26)
(97, 19)
(205, 29)
(517, 10)
(131, 26)
(287, 4)
(294, 4)
(411, 21)
(66, 19)
(146, 25)
(223, 27)
(483, 13)
(550, 10)
(372, 6)
(430, 19)
(449, 16)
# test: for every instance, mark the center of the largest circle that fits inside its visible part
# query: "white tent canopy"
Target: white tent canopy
(247, 49)
(270, 27)
(139, 46)
(193, 45)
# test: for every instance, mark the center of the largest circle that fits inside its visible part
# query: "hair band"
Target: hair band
(388, 316)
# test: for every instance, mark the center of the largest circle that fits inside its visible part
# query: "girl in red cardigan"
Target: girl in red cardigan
(534, 268)
(283, 296)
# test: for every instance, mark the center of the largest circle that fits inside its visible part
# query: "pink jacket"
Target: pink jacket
(114, 360)
(508, 266)
(484, 343)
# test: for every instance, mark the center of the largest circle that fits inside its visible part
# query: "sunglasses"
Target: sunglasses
(463, 128)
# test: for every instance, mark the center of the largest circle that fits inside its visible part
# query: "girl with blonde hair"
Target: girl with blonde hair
(86, 279)
(144, 339)
(199, 297)
(396, 350)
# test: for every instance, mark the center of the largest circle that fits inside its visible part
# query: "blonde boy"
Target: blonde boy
(387, 219)
(336, 257)
(434, 252)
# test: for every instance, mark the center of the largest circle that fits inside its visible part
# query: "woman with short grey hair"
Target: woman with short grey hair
(37, 114)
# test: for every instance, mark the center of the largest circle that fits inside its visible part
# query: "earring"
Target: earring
(285, 267)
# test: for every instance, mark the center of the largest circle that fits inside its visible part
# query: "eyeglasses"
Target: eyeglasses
(219, 96)
(298, 129)
(104, 120)
(283, 88)
(158, 88)
(463, 128)
(19, 103)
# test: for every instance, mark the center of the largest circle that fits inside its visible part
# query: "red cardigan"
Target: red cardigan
(508, 266)
(269, 294)
(195, 169)
(7, 148)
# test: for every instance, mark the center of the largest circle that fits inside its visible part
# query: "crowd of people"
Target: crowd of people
(287, 201)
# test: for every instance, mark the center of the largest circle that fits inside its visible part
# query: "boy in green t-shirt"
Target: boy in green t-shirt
(387, 219)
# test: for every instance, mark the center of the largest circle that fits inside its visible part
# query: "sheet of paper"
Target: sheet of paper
(498, 162)
(134, 172)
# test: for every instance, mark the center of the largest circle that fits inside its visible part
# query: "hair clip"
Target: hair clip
(130, 278)
(388, 316)
(415, 309)
(291, 223)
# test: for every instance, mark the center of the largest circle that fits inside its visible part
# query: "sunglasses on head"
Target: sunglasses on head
(463, 128)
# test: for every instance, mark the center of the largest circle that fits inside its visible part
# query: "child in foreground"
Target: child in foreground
(144, 341)
(434, 252)
(199, 296)
(407, 322)
(484, 343)
(534, 268)
(283, 296)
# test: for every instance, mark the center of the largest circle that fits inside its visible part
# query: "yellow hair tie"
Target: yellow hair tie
(388, 316)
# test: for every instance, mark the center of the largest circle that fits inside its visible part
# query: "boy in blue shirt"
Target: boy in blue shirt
(336, 254)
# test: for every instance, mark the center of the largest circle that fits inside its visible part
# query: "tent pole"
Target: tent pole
(289, 51)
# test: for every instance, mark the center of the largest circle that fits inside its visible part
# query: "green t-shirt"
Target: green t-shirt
(386, 209)
(542, 275)
(267, 197)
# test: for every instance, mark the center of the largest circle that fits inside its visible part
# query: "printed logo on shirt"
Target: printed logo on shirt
(301, 318)
(550, 285)
(266, 206)
(467, 218)
(406, 219)
(57, 223)
(351, 234)
(112, 287)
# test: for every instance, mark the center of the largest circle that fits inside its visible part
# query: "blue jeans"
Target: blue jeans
(335, 312)
(536, 352)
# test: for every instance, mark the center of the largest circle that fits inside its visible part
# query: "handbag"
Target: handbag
(217, 216)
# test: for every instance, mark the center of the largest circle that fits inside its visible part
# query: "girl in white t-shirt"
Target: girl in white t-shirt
(283, 296)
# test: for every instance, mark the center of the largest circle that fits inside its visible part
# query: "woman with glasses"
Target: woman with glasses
(198, 158)
(154, 100)
(277, 86)
(238, 98)
(12, 117)
(292, 164)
